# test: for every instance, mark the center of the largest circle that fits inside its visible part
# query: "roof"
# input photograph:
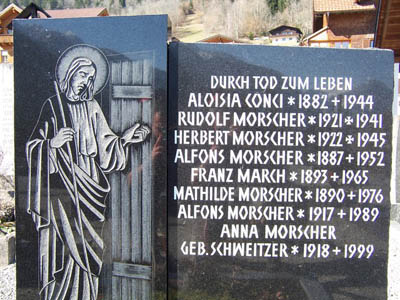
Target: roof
(388, 27)
(76, 12)
(280, 29)
(10, 9)
(219, 38)
(336, 6)
(316, 33)
(34, 11)
(330, 36)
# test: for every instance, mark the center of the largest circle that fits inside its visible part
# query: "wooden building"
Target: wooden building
(343, 24)
(285, 35)
(387, 33)
(6, 38)
(33, 11)
(76, 12)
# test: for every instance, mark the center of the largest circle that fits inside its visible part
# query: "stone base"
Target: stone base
(7, 249)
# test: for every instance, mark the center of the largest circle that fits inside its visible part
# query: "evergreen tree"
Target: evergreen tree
(82, 3)
(277, 5)
(5, 3)
(79, 4)
(53, 4)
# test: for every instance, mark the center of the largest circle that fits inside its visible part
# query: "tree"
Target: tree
(277, 5)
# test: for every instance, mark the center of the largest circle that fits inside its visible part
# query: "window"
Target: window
(4, 56)
(342, 44)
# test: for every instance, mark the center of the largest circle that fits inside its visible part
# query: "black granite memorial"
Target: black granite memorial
(279, 170)
(90, 117)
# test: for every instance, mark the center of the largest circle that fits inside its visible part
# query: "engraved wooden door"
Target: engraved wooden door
(131, 94)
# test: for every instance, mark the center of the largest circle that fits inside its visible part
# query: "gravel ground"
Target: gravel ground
(7, 282)
(7, 274)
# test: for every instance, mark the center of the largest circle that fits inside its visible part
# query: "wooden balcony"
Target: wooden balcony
(388, 27)
(6, 39)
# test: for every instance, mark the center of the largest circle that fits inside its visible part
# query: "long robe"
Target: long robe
(70, 229)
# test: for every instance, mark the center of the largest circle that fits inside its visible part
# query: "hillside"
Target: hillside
(191, 29)
(196, 19)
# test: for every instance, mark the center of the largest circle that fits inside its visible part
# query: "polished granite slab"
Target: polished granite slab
(90, 118)
(279, 170)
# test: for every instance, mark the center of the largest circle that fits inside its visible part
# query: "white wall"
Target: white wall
(6, 119)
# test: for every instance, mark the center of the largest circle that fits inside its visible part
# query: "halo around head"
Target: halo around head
(89, 52)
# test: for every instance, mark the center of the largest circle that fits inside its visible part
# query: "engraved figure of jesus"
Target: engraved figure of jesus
(69, 153)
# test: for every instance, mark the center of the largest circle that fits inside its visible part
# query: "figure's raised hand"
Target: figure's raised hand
(63, 136)
(136, 134)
